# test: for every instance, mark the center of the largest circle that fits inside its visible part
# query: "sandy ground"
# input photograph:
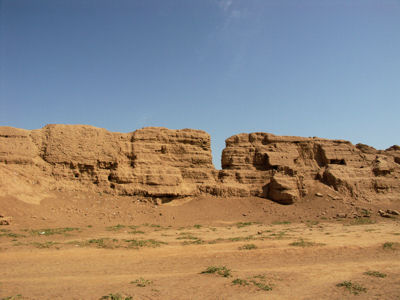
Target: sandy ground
(87, 247)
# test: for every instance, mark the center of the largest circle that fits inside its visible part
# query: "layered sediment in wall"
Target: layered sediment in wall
(165, 163)
(288, 167)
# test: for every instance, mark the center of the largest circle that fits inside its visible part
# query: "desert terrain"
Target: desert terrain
(89, 214)
(89, 247)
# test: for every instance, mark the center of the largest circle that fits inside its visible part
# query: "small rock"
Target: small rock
(259, 232)
(158, 201)
(244, 215)
(383, 214)
(5, 220)
(341, 215)
(319, 195)
(393, 212)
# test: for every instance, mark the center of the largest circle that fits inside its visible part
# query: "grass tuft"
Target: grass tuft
(391, 246)
(115, 228)
(261, 285)
(12, 235)
(362, 221)
(248, 247)
(375, 274)
(352, 287)
(19, 296)
(303, 243)
(281, 223)
(141, 282)
(136, 232)
(144, 243)
(189, 239)
(222, 271)
(116, 297)
(44, 245)
(311, 223)
(239, 281)
(244, 224)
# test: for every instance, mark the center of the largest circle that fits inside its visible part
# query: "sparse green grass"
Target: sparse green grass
(186, 236)
(258, 281)
(218, 240)
(18, 244)
(189, 239)
(244, 224)
(281, 223)
(44, 245)
(239, 281)
(52, 231)
(365, 212)
(261, 285)
(221, 270)
(278, 236)
(260, 276)
(144, 243)
(141, 282)
(136, 232)
(193, 242)
(311, 223)
(19, 296)
(391, 246)
(197, 226)
(352, 287)
(12, 235)
(108, 243)
(375, 274)
(303, 243)
(152, 225)
(248, 247)
(362, 221)
(116, 297)
(242, 238)
(115, 228)
(236, 239)
(105, 243)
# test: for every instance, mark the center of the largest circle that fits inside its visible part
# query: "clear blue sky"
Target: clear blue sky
(328, 68)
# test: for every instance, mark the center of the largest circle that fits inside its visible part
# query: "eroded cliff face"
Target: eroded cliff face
(165, 163)
(288, 167)
(155, 162)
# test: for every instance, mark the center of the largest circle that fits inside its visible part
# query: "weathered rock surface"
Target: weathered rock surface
(155, 162)
(165, 163)
(300, 163)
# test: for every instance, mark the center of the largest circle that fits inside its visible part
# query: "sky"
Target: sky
(327, 68)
